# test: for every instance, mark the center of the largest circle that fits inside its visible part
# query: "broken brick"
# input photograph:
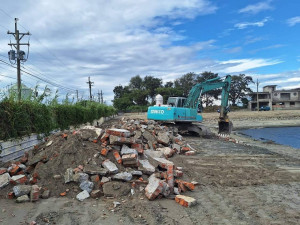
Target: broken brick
(10, 195)
(190, 153)
(170, 177)
(185, 200)
(189, 185)
(117, 156)
(154, 187)
(138, 147)
(35, 193)
(63, 194)
(104, 151)
(185, 149)
(14, 170)
(18, 179)
(3, 170)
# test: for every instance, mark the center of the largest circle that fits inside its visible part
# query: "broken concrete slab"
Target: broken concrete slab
(154, 187)
(104, 180)
(146, 167)
(110, 166)
(149, 136)
(94, 169)
(154, 154)
(136, 173)
(4, 180)
(21, 190)
(115, 140)
(123, 176)
(82, 195)
(163, 138)
(23, 198)
(119, 132)
(168, 152)
(185, 200)
(126, 150)
(162, 162)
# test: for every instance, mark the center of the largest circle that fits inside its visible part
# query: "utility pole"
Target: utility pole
(20, 54)
(90, 87)
(257, 83)
(98, 96)
(77, 95)
(101, 94)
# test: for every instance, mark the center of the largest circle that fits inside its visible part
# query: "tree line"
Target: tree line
(141, 92)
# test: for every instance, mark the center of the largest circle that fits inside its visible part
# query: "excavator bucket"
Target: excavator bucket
(225, 127)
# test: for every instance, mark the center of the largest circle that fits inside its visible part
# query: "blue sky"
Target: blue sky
(111, 41)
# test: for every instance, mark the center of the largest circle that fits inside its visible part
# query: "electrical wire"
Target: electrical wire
(42, 79)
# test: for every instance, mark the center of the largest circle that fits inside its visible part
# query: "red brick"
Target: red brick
(185, 200)
(117, 156)
(3, 170)
(170, 177)
(190, 153)
(14, 170)
(118, 132)
(185, 149)
(189, 185)
(20, 172)
(35, 193)
(138, 147)
(11, 195)
(104, 151)
(63, 194)
(104, 137)
(29, 169)
(21, 180)
(80, 167)
(33, 180)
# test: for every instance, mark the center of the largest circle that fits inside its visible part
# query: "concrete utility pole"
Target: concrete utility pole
(77, 95)
(257, 83)
(98, 96)
(90, 87)
(101, 94)
(18, 36)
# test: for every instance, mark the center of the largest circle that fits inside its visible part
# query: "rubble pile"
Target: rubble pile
(92, 162)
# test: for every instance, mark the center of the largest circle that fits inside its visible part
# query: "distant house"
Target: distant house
(275, 99)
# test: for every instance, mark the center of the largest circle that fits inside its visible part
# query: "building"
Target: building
(26, 92)
(275, 99)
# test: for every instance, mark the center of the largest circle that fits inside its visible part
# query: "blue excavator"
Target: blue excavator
(185, 113)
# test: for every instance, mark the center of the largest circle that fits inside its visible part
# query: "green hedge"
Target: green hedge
(24, 118)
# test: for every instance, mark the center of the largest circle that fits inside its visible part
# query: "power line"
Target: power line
(2, 75)
(39, 78)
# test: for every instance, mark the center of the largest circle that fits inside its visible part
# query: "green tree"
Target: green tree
(169, 84)
(150, 84)
(136, 82)
(185, 83)
(239, 87)
(210, 96)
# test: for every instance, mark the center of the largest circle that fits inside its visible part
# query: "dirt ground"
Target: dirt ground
(248, 182)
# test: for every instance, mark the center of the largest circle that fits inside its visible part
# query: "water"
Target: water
(281, 135)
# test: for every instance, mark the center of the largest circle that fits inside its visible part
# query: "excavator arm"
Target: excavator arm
(194, 98)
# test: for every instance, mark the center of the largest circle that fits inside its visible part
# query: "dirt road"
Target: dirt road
(240, 183)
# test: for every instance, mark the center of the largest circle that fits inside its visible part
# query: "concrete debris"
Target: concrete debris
(132, 153)
(23, 198)
(94, 169)
(46, 194)
(69, 175)
(82, 195)
(110, 166)
(146, 167)
(21, 190)
(126, 150)
(4, 180)
(87, 186)
(124, 176)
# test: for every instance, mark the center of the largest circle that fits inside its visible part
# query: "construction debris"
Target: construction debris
(131, 153)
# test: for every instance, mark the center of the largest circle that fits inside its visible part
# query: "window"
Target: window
(295, 93)
(292, 104)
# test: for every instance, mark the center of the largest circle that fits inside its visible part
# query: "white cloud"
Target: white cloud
(233, 50)
(256, 8)
(293, 21)
(244, 25)
(241, 65)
